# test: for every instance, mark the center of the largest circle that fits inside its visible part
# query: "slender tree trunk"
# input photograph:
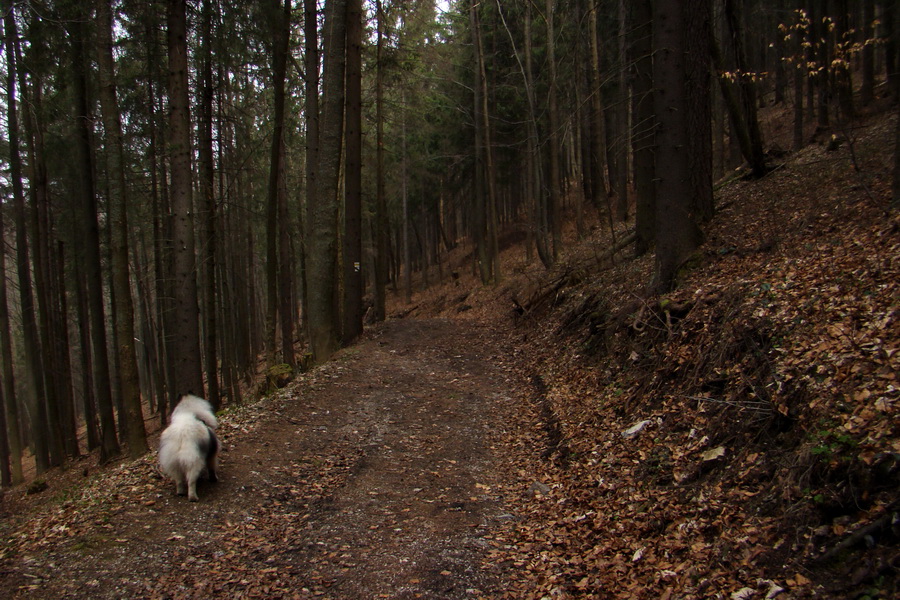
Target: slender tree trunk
(642, 135)
(622, 136)
(10, 406)
(135, 434)
(381, 216)
(109, 445)
(42, 238)
(158, 208)
(404, 194)
(742, 108)
(62, 346)
(285, 262)
(352, 254)
(89, 393)
(32, 369)
(823, 50)
(479, 203)
(867, 90)
(322, 238)
(208, 208)
(598, 127)
(843, 79)
(537, 198)
(280, 34)
(185, 356)
(311, 114)
(5, 471)
(493, 223)
(895, 188)
(799, 78)
(553, 220)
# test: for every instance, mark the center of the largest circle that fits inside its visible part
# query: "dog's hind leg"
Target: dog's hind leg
(192, 476)
(212, 457)
(180, 486)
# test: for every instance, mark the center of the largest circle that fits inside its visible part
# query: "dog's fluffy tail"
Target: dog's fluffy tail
(198, 407)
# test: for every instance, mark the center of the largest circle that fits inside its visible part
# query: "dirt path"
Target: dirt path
(376, 477)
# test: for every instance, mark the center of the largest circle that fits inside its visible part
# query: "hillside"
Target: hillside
(737, 435)
(562, 434)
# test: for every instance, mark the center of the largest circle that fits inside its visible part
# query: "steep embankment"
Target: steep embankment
(738, 436)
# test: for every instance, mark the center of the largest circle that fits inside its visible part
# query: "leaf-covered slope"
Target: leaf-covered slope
(737, 436)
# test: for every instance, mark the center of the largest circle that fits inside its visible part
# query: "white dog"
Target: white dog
(189, 445)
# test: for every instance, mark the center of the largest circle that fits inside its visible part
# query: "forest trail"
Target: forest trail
(375, 476)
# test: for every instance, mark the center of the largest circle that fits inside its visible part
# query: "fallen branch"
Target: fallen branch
(862, 533)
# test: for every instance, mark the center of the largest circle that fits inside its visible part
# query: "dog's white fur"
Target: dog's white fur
(189, 445)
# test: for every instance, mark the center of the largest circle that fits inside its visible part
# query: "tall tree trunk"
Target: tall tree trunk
(206, 173)
(487, 203)
(642, 135)
(742, 108)
(286, 309)
(823, 45)
(867, 90)
(598, 127)
(534, 168)
(843, 80)
(490, 171)
(381, 214)
(9, 406)
(62, 346)
(895, 188)
(135, 434)
(109, 445)
(622, 136)
(280, 34)
(32, 369)
(479, 203)
(404, 196)
(42, 240)
(799, 79)
(352, 254)
(554, 222)
(311, 116)
(185, 356)
(322, 238)
(677, 232)
(158, 209)
(5, 471)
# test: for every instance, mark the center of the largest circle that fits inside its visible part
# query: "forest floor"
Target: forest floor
(561, 434)
(376, 475)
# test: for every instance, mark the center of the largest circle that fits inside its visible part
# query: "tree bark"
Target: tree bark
(32, 368)
(677, 232)
(9, 406)
(208, 208)
(311, 115)
(867, 90)
(598, 127)
(275, 271)
(352, 239)
(381, 213)
(642, 135)
(554, 224)
(741, 103)
(185, 356)
(90, 234)
(322, 238)
(135, 434)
